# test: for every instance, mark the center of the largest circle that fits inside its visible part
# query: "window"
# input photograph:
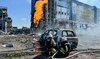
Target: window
(70, 34)
(59, 12)
(0, 27)
(52, 5)
(52, 1)
(65, 13)
(64, 34)
(56, 13)
(62, 12)
(0, 12)
(53, 32)
(51, 16)
(49, 8)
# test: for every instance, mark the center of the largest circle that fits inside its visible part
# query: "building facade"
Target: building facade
(9, 24)
(70, 14)
(98, 16)
(85, 15)
(5, 21)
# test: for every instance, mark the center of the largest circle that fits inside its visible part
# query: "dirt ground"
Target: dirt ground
(19, 42)
(89, 54)
(24, 42)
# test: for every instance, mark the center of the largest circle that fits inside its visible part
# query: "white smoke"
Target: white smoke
(89, 39)
(93, 30)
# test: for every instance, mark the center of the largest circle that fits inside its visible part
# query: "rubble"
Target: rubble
(19, 42)
(24, 42)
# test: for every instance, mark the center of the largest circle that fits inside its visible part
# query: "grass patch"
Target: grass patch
(17, 54)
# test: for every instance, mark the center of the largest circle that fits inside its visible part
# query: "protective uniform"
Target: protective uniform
(50, 46)
(64, 48)
(52, 51)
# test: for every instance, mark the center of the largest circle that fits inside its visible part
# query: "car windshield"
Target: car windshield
(53, 32)
(68, 34)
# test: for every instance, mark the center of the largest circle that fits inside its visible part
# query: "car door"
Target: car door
(72, 38)
(64, 35)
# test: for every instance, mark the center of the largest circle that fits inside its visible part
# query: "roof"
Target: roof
(1, 7)
(84, 5)
(67, 29)
(61, 29)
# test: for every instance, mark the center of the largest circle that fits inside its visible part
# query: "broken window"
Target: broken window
(64, 34)
(0, 27)
(65, 13)
(70, 34)
(54, 33)
(59, 12)
(62, 12)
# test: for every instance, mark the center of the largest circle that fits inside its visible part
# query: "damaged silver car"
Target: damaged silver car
(60, 35)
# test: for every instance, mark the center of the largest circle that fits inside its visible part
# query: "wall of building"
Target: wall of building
(51, 10)
(62, 10)
(61, 13)
(74, 10)
(9, 24)
(84, 14)
(3, 17)
(32, 12)
(32, 6)
(2, 24)
(98, 16)
(5, 20)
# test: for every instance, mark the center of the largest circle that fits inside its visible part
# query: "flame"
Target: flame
(39, 11)
(36, 50)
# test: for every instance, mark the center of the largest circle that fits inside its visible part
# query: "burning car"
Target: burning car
(60, 35)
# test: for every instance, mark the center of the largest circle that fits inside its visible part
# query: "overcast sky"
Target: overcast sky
(20, 10)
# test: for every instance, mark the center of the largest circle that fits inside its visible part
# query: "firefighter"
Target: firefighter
(64, 48)
(50, 46)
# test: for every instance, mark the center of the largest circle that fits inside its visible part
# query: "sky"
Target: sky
(20, 10)
(91, 2)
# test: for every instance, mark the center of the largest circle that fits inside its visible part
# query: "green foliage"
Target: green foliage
(19, 54)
